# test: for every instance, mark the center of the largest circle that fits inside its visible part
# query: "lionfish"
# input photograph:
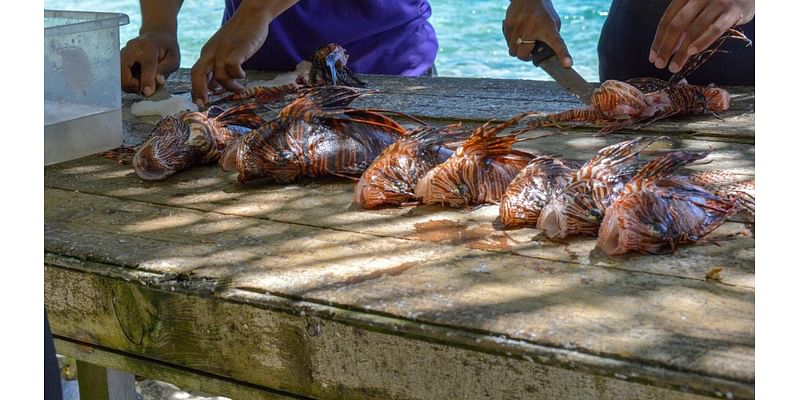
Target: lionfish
(328, 67)
(479, 171)
(392, 177)
(655, 211)
(726, 183)
(535, 186)
(191, 138)
(616, 105)
(315, 135)
(580, 205)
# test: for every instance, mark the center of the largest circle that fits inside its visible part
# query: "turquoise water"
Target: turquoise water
(471, 42)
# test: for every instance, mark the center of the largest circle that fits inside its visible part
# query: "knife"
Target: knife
(544, 58)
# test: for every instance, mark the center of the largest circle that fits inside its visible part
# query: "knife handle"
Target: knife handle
(541, 51)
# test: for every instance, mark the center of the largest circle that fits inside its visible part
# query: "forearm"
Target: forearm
(160, 15)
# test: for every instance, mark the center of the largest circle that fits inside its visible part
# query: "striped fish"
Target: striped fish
(479, 171)
(535, 186)
(392, 178)
(657, 211)
(316, 135)
(328, 67)
(579, 207)
(616, 105)
(192, 138)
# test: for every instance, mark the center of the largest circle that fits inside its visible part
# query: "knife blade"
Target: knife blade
(545, 58)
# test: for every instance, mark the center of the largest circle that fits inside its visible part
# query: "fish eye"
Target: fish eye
(659, 227)
(284, 156)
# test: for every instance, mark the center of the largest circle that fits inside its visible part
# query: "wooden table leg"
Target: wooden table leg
(100, 383)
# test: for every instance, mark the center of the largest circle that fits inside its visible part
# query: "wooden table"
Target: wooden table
(289, 291)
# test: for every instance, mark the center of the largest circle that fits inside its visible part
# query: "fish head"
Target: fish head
(390, 179)
(574, 211)
(641, 221)
(265, 153)
(553, 220)
(446, 184)
(174, 145)
(374, 189)
(329, 67)
(229, 157)
(717, 99)
(611, 238)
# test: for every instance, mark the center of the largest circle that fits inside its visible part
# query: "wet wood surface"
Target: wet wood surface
(293, 289)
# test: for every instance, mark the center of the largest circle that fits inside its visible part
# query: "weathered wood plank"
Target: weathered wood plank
(666, 322)
(186, 379)
(328, 204)
(326, 352)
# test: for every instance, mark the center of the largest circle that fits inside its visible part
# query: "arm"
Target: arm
(149, 58)
(690, 26)
(534, 20)
(222, 56)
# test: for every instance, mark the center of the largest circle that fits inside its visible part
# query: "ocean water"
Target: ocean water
(471, 42)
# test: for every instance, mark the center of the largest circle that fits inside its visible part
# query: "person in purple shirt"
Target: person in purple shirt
(390, 37)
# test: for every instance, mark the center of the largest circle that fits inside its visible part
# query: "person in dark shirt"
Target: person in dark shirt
(647, 38)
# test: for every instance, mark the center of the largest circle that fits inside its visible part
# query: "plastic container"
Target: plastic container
(82, 95)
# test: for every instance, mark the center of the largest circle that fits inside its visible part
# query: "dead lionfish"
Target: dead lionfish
(328, 67)
(535, 186)
(726, 183)
(579, 207)
(392, 178)
(616, 105)
(192, 138)
(313, 136)
(656, 212)
(478, 172)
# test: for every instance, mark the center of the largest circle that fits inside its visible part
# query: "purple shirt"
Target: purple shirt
(390, 37)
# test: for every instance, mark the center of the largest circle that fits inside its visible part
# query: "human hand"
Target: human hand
(690, 26)
(222, 56)
(533, 20)
(147, 60)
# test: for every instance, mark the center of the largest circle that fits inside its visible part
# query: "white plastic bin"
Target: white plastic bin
(82, 95)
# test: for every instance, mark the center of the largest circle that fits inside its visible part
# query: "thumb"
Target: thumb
(560, 48)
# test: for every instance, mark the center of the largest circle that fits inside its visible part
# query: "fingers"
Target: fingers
(146, 61)
(703, 22)
(711, 34)
(223, 70)
(560, 48)
(130, 83)
(671, 30)
(147, 81)
(201, 75)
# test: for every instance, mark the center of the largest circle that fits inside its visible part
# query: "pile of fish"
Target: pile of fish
(630, 204)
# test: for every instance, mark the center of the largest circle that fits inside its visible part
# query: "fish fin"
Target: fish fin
(648, 85)
(333, 96)
(363, 117)
(261, 94)
(615, 158)
(122, 155)
(243, 115)
(700, 58)
(666, 164)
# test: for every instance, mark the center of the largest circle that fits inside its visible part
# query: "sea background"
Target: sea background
(471, 42)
